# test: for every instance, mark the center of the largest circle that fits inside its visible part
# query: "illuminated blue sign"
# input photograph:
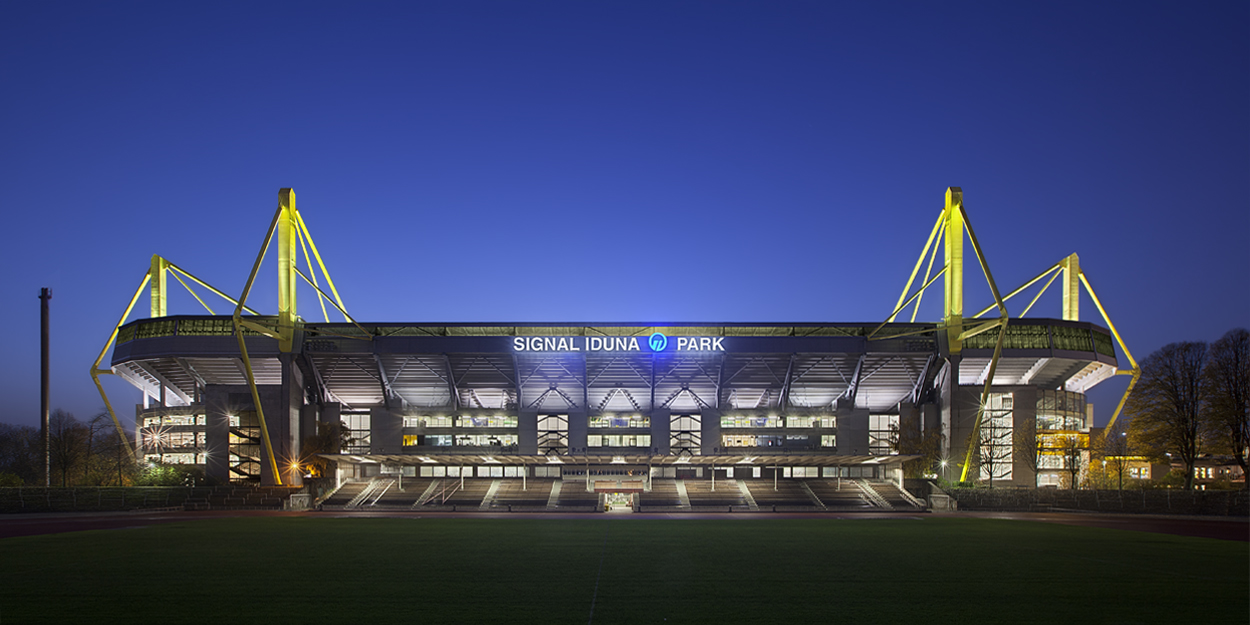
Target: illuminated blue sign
(658, 342)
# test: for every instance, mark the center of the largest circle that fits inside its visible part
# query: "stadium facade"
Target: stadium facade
(612, 406)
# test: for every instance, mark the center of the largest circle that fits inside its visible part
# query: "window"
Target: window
(618, 440)
(750, 440)
(429, 422)
(609, 421)
(685, 434)
(358, 432)
(1060, 410)
(883, 434)
(828, 440)
(553, 433)
(485, 440)
(811, 422)
(180, 439)
(497, 421)
(748, 421)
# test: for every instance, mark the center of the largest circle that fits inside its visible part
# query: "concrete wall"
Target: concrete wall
(527, 432)
(385, 431)
(578, 424)
(660, 431)
(710, 431)
(852, 430)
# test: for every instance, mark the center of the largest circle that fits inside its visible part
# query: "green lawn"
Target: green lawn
(929, 570)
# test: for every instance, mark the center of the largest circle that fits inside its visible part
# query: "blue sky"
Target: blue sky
(618, 161)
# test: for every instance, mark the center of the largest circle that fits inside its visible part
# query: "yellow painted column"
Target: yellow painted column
(1072, 288)
(287, 241)
(160, 301)
(954, 279)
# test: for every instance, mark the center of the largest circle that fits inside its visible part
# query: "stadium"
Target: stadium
(620, 416)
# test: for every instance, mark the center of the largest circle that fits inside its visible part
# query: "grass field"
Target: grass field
(380, 570)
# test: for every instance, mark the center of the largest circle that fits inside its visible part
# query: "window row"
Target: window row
(635, 421)
(497, 421)
(177, 458)
(488, 471)
(174, 420)
(618, 440)
(772, 440)
(827, 422)
(156, 440)
(185, 420)
(460, 440)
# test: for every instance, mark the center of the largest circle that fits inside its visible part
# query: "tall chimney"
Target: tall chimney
(44, 296)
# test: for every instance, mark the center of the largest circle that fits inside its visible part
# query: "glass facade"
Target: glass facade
(686, 434)
(996, 442)
(883, 434)
(358, 432)
(1060, 410)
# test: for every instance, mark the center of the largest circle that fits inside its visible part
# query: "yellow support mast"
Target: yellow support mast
(292, 234)
(155, 280)
(1073, 278)
(953, 253)
(948, 232)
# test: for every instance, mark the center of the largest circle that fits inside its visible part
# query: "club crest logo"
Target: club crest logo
(658, 342)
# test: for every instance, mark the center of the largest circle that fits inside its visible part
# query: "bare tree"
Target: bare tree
(1115, 452)
(68, 441)
(1166, 406)
(994, 451)
(1227, 380)
(19, 452)
(1028, 446)
(1070, 447)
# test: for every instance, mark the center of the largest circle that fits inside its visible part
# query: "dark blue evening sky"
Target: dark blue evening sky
(650, 162)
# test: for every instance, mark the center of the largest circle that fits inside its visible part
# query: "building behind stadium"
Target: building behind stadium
(618, 409)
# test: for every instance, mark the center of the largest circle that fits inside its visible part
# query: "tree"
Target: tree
(912, 441)
(1028, 446)
(329, 439)
(1070, 447)
(1166, 405)
(19, 452)
(995, 451)
(1227, 385)
(69, 443)
(1115, 452)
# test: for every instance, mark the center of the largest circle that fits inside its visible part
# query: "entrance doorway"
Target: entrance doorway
(618, 502)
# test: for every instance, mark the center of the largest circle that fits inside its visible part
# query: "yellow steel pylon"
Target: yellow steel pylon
(951, 225)
(1073, 278)
(292, 235)
(156, 276)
